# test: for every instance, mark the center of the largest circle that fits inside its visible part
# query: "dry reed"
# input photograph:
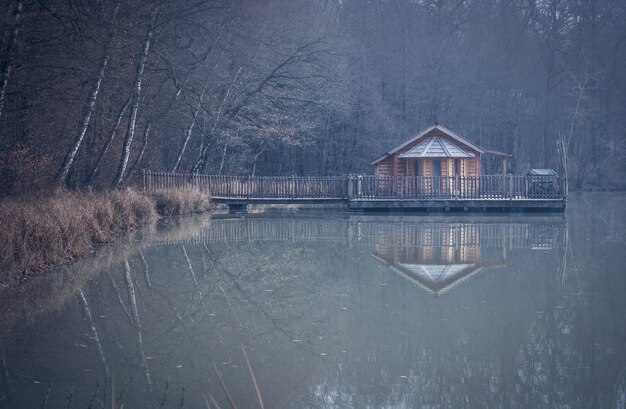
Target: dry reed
(180, 201)
(35, 234)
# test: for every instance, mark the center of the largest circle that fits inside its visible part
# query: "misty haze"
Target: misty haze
(313, 204)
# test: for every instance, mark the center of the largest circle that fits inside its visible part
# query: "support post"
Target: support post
(349, 187)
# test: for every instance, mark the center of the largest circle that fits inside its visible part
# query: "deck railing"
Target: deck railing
(486, 187)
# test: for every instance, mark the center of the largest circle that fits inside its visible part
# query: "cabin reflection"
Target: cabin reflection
(439, 256)
(436, 254)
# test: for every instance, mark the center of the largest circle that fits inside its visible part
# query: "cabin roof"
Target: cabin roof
(436, 147)
(437, 273)
(464, 145)
(437, 279)
(425, 132)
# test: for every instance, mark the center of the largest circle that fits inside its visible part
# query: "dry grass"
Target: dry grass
(38, 233)
(41, 232)
(180, 201)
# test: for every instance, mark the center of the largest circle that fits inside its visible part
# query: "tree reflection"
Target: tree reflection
(329, 315)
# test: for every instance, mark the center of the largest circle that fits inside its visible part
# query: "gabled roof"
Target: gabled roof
(422, 134)
(436, 147)
(437, 279)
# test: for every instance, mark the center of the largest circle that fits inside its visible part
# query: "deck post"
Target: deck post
(349, 187)
(510, 187)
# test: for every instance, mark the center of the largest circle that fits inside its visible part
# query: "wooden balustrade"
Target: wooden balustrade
(485, 187)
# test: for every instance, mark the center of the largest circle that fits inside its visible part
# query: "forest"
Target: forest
(94, 91)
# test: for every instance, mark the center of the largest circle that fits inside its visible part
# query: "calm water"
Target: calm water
(336, 311)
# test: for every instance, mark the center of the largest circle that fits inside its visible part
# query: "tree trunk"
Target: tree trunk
(188, 132)
(8, 64)
(219, 172)
(68, 161)
(118, 120)
(78, 140)
(130, 130)
(200, 164)
(146, 132)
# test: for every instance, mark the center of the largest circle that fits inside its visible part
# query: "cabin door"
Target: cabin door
(437, 174)
(457, 171)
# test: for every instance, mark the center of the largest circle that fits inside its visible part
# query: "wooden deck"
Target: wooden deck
(360, 193)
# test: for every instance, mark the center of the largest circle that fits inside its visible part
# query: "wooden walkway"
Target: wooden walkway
(490, 192)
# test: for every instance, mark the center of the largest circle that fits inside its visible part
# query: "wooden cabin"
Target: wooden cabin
(436, 151)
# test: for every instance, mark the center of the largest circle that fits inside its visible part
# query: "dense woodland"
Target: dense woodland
(93, 91)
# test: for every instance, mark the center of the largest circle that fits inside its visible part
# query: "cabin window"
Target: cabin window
(417, 167)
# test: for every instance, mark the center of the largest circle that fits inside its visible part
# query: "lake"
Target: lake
(333, 310)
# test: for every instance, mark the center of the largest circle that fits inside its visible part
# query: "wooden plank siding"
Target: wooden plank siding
(393, 165)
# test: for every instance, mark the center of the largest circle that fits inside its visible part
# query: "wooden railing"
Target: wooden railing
(266, 187)
(486, 187)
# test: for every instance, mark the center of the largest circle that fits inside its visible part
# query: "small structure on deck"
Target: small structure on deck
(435, 152)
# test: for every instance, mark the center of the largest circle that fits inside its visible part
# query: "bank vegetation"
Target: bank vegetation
(39, 233)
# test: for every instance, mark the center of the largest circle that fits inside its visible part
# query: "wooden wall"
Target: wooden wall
(384, 167)
(406, 167)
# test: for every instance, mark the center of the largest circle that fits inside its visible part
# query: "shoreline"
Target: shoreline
(24, 298)
(40, 236)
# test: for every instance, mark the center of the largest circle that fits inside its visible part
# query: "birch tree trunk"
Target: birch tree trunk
(68, 161)
(8, 64)
(146, 132)
(118, 120)
(130, 130)
(200, 164)
(188, 132)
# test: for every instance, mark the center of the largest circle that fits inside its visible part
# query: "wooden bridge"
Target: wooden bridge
(358, 192)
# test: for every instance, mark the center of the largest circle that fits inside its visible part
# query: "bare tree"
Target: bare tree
(118, 121)
(136, 97)
(91, 102)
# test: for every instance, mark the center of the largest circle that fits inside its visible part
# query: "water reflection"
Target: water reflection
(333, 312)
(438, 256)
